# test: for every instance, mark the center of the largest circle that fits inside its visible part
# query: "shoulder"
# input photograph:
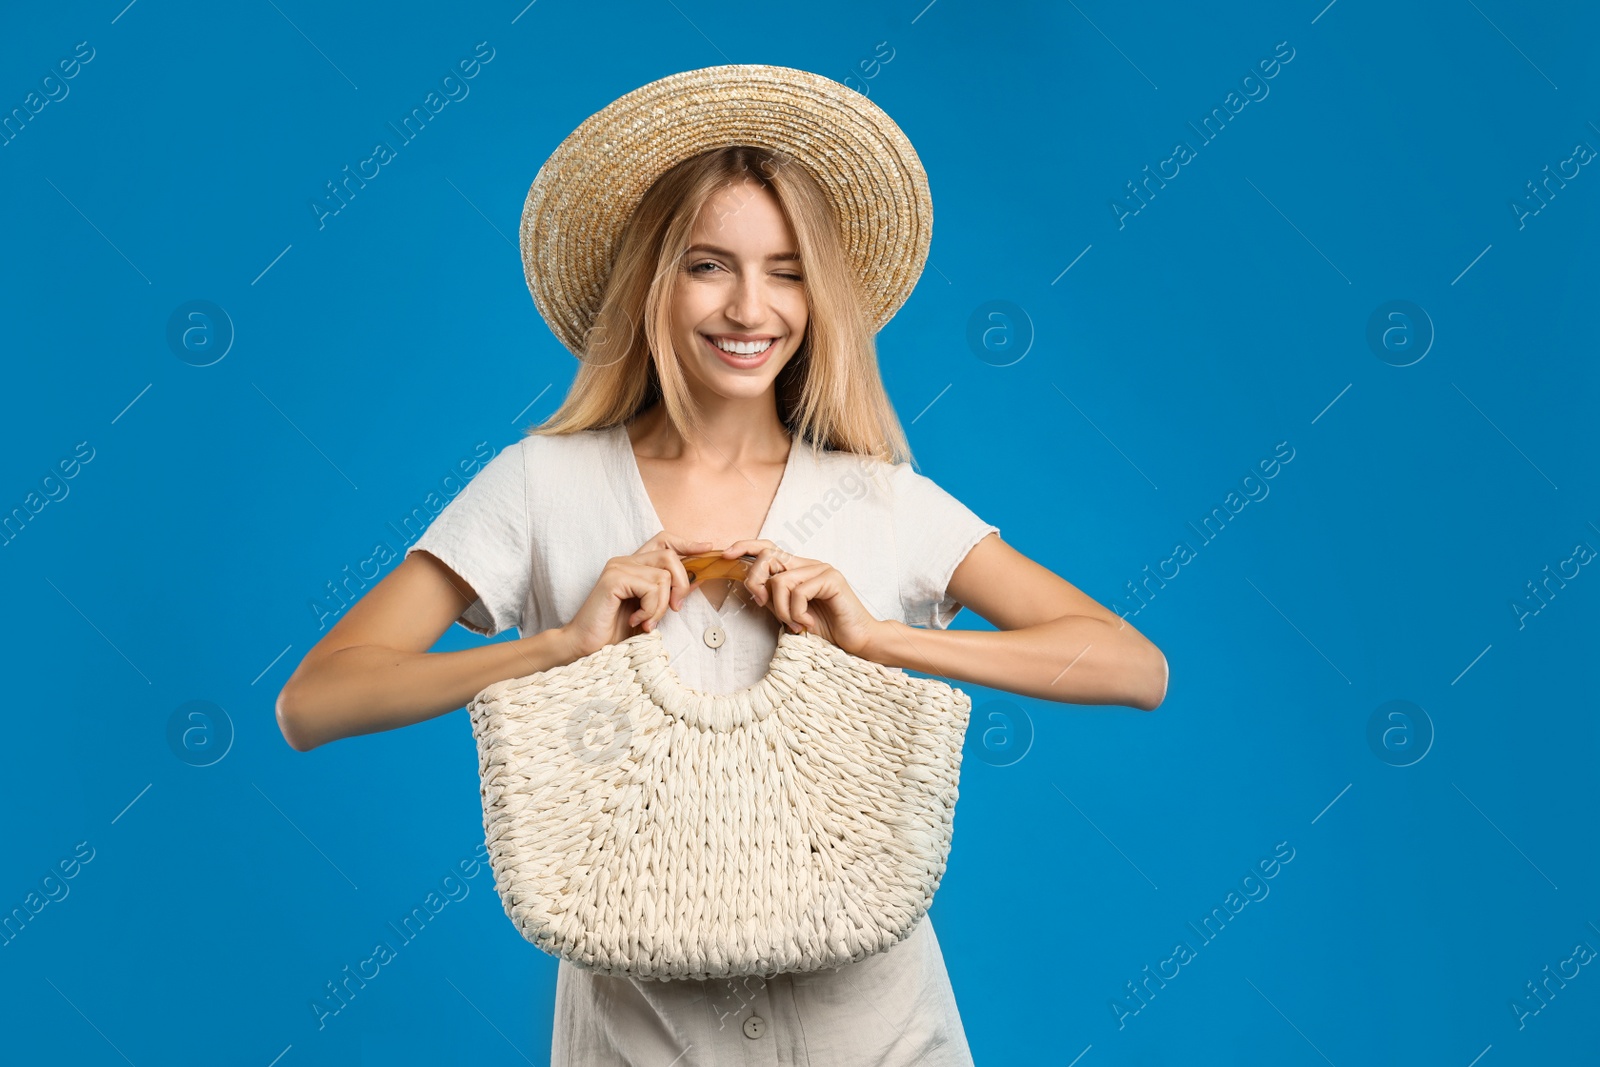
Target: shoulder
(533, 466)
(898, 481)
(575, 443)
(896, 485)
(852, 472)
(559, 455)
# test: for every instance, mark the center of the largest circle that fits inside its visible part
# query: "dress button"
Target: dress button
(714, 636)
(755, 1026)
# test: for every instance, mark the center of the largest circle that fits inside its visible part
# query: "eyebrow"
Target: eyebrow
(790, 257)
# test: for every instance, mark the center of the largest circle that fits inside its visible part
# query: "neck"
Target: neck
(728, 432)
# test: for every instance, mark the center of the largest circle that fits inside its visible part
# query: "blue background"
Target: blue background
(1186, 341)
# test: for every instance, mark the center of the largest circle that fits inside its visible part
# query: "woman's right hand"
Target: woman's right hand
(633, 593)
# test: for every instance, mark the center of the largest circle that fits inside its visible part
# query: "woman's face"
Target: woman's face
(741, 284)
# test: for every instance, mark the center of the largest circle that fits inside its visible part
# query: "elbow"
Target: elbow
(289, 723)
(1154, 692)
(1142, 669)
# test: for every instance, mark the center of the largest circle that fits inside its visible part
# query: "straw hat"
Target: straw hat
(585, 192)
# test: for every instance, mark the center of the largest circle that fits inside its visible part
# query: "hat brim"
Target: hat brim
(586, 191)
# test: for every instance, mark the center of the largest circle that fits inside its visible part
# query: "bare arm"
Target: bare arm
(1053, 641)
(373, 670)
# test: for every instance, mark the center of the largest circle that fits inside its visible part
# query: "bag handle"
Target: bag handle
(708, 565)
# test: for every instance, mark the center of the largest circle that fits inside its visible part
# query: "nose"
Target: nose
(747, 301)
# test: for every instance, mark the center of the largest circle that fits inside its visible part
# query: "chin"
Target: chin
(737, 386)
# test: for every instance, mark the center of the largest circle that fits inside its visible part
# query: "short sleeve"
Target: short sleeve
(933, 533)
(483, 535)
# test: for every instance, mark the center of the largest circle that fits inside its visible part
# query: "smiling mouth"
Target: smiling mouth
(740, 349)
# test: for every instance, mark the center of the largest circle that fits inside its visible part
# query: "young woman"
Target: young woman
(728, 401)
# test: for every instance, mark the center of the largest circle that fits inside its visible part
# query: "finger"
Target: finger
(755, 578)
(785, 586)
(669, 561)
(650, 593)
(763, 569)
(685, 547)
(750, 546)
(797, 598)
(780, 587)
(660, 598)
(816, 587)
(769, 597)
(647, 584)
(769, 560)
(640, 615)
(681, 545)
(672, 548)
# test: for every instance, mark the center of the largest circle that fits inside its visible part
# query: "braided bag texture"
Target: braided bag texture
(639, 827)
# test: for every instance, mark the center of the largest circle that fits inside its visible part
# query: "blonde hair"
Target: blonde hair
(830, 393)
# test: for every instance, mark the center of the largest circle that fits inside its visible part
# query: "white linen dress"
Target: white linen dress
(531, 533)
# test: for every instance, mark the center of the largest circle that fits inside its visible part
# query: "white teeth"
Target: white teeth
(742, 348)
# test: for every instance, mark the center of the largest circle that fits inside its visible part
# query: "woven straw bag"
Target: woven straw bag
(639, 827)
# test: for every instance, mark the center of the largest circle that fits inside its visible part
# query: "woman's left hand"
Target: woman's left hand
(806, 594)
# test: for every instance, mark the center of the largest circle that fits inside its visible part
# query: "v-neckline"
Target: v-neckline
(647, 508)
